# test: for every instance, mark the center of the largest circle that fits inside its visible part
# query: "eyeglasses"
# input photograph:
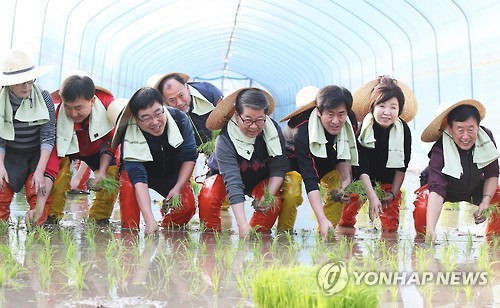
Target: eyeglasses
(149, 120)
(249, 122)
(29, 82)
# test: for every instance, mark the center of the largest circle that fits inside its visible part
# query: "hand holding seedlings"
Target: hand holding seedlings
(482, 214)
(109, 184)
(173, 203)
(338, 195)
(267, 202)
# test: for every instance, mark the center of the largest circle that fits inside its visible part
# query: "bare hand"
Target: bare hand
(38, 181)
(172, 193)
(388, 197)
(478, 215)
(260, 206)
(3, 176)
(338, 195)
(375, 208)
(244, 231)
(324, 228)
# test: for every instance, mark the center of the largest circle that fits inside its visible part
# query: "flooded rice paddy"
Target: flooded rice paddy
(80, 264)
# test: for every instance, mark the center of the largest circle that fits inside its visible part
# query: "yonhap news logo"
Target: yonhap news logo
(333, 278)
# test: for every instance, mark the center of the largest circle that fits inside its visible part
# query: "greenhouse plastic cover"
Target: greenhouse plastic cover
(445, 50)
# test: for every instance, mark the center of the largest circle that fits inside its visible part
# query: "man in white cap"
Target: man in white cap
(27, 131)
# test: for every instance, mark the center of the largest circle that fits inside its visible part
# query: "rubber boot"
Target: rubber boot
(181, 217)
(103, 203)
(420, 211)
(83, 182)
(57, 197)
(6, 196)
(390, 217)
(31, 198)
(212, 196)
(129, 208)
(350, 211)
(264, 221)
(333, 209)
(493, 226)
(291, 194)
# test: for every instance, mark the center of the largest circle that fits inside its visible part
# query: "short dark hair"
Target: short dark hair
(174, 76)
(253, 98)
(331, 97)
(75, 87)
(463, 113)
(386, 89)
(143, 98)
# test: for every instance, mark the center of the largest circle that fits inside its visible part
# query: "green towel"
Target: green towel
(135, 146)
(67, 141)
(346, 140)
(396, 155)
(201, 105)
(32, 110)
(485, 153)
(245, 145)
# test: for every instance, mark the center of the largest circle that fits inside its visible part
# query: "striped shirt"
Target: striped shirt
(31, 138)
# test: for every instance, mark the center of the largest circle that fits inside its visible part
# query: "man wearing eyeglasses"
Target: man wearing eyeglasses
(83, 132)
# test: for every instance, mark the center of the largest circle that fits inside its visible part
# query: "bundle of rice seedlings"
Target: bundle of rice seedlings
(208, 147)
(174, 203)
(268, 199)
(109, 184)
(490, 210)
(358, 188)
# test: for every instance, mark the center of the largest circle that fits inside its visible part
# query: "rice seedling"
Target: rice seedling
(44, 269)
(19, 219)
(66, 237)
(9, 267)
(243, 282)
(468, 292)
(449, 257)
(173, 203)
(109, 184)
(489, 211)
(483, 259)
(297, 287)
(77, 269)
(208, 147)
(90, 231)
(196, 188)
(30, 240)
(70, 252)
(44, 236)
(421, 256)
(357, 187)
(215, 280)
(269, 200)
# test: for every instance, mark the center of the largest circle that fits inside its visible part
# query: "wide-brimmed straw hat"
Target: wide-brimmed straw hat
(361, 100)
(18, 68)
(434, 130)
(115, 109)
(304, 100)
(155, 80)
(225, 109)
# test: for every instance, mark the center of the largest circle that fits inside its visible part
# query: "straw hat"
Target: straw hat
(115, 109)
(121, 125)
(155, 80)
(304, 100)
(434, 130)
(18, 68)
(361, 101)
(225, 109)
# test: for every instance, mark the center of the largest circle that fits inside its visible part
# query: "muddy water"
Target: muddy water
(188, 268)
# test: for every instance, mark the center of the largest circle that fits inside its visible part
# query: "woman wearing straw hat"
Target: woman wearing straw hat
(27, 131)
(84, 131)
(250, 157)
(384, 146)
(158, 151)
(463, 166)
(324, 147)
